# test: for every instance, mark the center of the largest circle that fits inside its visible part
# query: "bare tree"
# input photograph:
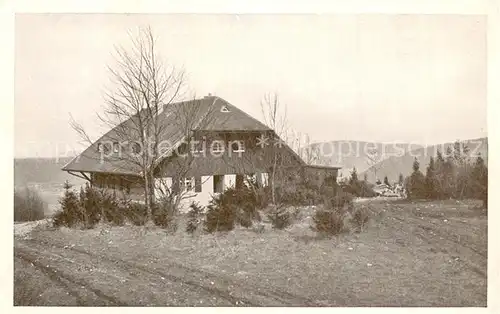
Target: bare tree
(144, 92)
(373, 158)
(275, 117)
(307, 150)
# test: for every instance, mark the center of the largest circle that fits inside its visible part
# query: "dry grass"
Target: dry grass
(410, 254)
(32, 287)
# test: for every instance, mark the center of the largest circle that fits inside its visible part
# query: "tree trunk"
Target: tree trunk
(152, 199)
(147, 197)
(239, 181)
(273, 183)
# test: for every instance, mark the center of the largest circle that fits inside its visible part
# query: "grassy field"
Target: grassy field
(411, 254)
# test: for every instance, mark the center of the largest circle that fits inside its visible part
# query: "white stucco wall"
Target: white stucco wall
(203, 197)
(207, 189)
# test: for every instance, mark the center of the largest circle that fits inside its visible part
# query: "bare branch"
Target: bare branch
(142, 87)
(80, 130)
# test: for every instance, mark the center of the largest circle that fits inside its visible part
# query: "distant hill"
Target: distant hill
(29, 171)
(393, 166)
(350, 154)
(45, 176)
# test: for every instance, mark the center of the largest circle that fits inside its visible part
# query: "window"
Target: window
(103, 147)
(107, 148)
(238, 146)
(224, 109)
(197, 184)
(197, 146)
(187, 184)
(218, 183)
(116, 147)
(217, 146)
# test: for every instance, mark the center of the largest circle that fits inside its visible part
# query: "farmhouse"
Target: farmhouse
(205, 146)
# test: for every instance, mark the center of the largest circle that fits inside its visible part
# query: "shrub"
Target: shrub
(220, 214)
(90, 202)
(113, 210)
(164, 213)
(341, 202)
(92, 205)
(234, 206)
(329, 222)
(194, 217)
(262, 196)
(28, 205)
(298, 195)
(136, 213)
(245, 203)
(280, 217)
(243, 218)
(71, 212)
(360, 218)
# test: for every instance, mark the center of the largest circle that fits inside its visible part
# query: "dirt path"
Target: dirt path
(83, 293)
(109, 280)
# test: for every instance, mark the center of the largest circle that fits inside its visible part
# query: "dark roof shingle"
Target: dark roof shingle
(199, 114)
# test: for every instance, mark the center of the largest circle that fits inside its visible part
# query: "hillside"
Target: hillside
(45, 176)
(393, 166)
(350, 154)
(41, 171)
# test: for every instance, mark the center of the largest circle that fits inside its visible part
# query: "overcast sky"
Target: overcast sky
(411, 78)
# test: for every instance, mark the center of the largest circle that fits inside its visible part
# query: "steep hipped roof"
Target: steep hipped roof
(226, 117)
(210, 113)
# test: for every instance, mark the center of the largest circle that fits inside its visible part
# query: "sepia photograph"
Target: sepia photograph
(250, 160)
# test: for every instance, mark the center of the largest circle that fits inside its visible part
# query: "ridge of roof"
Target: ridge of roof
(89, 160)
